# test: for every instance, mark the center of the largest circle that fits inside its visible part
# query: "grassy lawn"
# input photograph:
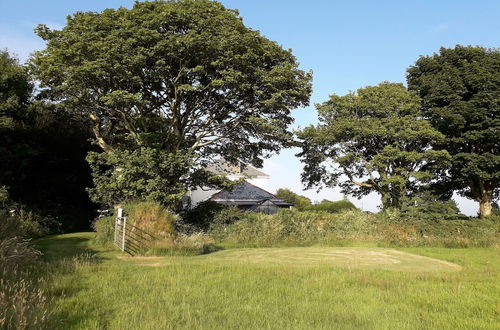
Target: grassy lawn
(281, 288)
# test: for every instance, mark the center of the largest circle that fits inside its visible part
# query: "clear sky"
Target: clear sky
(347, 45)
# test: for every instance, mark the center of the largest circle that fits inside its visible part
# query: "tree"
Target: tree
(298, 201)
(372, 140)
(460, 91)
(15, 90)
(42, 152)
(185, 77)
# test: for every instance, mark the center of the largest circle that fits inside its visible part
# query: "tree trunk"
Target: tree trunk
(484, 207)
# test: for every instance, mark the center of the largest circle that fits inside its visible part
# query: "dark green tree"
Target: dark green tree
(299, 202)
(460, 91)
(15, 91)
(372, 140)
(185, 77)
(42, 152)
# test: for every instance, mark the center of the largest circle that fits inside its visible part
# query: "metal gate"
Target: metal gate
(129, 238)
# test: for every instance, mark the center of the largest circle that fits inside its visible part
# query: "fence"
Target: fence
(129, 238)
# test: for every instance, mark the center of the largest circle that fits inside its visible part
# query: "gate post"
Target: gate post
(124, 219)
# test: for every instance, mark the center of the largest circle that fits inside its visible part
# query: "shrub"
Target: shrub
(332, 207)
(298, 201)
(105, 230)
(427, 205)
(151, 217)
(298, 228)
(201, 216)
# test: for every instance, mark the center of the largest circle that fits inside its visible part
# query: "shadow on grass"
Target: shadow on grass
(56, 247)
(66, 260)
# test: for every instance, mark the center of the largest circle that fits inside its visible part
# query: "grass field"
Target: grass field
(273, 288)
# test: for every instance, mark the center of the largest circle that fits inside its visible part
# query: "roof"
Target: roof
(223, 166)
(246, 194)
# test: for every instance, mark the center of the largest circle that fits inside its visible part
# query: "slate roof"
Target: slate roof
(246, 194)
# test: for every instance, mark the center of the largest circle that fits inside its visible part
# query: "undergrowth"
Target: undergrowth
(291, 227)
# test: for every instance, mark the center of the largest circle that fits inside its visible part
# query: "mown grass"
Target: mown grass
(199, 293)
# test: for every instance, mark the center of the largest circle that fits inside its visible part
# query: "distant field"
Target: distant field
(274, 288)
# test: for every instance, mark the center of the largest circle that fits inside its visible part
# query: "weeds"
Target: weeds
(292, 227)
(22, 303)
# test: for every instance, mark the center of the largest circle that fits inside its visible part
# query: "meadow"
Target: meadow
(317, 287)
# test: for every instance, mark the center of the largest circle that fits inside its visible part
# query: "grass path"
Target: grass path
(280, 288)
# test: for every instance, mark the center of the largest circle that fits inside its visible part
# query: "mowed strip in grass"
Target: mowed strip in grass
(282, 288)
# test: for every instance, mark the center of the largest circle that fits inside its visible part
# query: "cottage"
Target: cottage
(251, 195)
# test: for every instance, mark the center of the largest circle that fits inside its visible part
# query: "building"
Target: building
(251, 195)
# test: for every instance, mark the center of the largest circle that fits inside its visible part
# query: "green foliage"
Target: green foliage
(332, 207)
(299, 202)
(291, 227)
(152, 217)
(105, 230)
(16, 221)
(428, 205)
(460, 91)
(377, 139)
(42, 151)
(201, 216)
(183, 244)
(15, 90)
(144, 174)
(184, 78)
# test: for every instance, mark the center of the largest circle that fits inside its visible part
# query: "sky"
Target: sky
(346, 44)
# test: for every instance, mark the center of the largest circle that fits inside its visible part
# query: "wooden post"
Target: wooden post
(124, 220)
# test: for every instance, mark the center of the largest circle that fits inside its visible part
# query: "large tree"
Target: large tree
(371, 141)
(175, 75)
(184, 77)
(460, 89)
(42, 152)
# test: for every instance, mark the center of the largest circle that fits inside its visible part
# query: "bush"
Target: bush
(105, 230)
(299, 202)
(332, 207)
(151, 217)
(201, 216)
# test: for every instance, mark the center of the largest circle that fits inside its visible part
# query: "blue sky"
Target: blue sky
(347, 45)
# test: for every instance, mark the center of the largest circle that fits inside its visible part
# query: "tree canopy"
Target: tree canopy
(42, 154)
(15, 90)
(460, 91)
(372, 140)
(186, 77)
(175, 75)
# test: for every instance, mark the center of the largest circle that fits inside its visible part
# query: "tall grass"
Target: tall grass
(22, 303)
(291, 227)
(162, 224)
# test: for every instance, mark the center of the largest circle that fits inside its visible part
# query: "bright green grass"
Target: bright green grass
(255, 289)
